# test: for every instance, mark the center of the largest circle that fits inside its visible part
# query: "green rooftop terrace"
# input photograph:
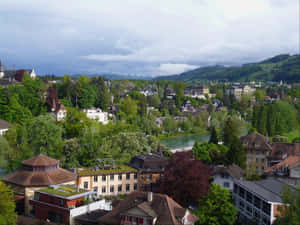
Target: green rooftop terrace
(65, 191)
(117, 169)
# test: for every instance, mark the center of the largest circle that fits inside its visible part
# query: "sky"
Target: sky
(143, 37)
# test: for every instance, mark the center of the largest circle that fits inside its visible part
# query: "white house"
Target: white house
(225, 175)
(4, 126)
(60, 113)
(97, 114)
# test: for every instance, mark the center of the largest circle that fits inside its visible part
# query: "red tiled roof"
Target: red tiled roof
(40, 160)
(167, 210)
(280, 149)
(256, 141)
(288, 162)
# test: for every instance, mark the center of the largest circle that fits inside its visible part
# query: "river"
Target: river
(186, 141)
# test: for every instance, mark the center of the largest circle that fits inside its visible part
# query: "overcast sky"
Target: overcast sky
(143, 37)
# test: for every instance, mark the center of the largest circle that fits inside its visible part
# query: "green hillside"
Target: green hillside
(281, 67)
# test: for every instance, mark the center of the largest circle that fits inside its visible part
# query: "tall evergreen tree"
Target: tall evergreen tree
(213, 136)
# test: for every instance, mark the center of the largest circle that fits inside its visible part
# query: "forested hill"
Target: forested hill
(280, 67)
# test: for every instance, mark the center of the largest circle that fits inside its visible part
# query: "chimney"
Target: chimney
(149, 196)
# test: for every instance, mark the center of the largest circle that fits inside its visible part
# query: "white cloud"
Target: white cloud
(149, 31)
(169, 68)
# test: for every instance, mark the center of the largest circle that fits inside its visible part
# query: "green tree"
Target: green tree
(259, 95)
(45, 136)
(213, 136)
(216, 208)
(8, 215)
(5, 152)
(129, 107)
(290, 212)
(201, 151)
(70, 154)
(236, 153)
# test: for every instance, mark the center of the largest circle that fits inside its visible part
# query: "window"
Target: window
(103, 178)
(103, 189)
(120, 188)
(120, 176)
(257, 202)
(256, 160)
(226, 184)
(55, 217)
(235, 188)
(249, 210)
(95, 189)
(86, 185)
(242, 205)
(112, 188)
(112, 176)
(95, 178)
(242, 191)
(127, 176)
(262, 160)
(262, 168)
(249, 197)
(36, 196)
(266, 208)
(135, 176)
(135, 186)
(61, 202)
(127, 187)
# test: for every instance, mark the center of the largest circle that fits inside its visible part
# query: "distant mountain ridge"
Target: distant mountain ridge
(281, 67)
(112, 76)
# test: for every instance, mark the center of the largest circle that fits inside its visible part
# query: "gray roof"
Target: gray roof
(4, 124)
(268, 189)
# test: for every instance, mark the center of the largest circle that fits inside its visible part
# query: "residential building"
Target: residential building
(259, 200)
(289, 167)
(4, 126)
(170, 93)
(196, 91)
(60, 112)
(108, 181)
(258, 149)
(97, 114)
(281, 150)
(225, 175)
(60, 204)
(148, 208)
(150, 168)
(36, 173)
(15, 74)
(149, 91)
(239, 90)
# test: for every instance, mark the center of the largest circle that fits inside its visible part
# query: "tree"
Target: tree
(70, 153)
(259, 95)
(236, 153)
(185, 179)
(129, 107)
(216, 208)
(201, 151)
(290, 212)
(5, 151)
(8, 216)
(45, 136)
(213, 136)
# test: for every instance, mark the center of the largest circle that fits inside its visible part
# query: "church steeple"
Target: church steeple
(1, 70)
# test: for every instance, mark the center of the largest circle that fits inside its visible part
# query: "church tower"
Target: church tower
(1, 70)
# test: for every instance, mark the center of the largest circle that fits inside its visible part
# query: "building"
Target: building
(36, 173)
(15, 74)
(258, 200)
(170, 93)
(239, 90)
(150, 167)
(196, 92)
(258, 149)
(225, 175)
(148, 208)
(281, 150)
(289, 167)
(108, 181)
(97, 114)
(60, 112)
(4, 126)
(60, 204)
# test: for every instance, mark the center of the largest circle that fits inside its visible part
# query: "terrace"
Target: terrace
(105, 170)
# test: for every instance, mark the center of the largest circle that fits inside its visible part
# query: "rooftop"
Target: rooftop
(4, 124)
(98, 171)
(65, 191)
(269, 189)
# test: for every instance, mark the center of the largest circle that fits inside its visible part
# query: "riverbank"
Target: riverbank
(178, 135)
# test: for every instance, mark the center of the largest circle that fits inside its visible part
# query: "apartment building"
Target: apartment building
(258, 149)
(108, 181)
(258, 200)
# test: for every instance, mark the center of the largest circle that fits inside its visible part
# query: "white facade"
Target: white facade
(32, 74)
(60, 115)
(224, 180)
(97, 114)
(2, 131)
